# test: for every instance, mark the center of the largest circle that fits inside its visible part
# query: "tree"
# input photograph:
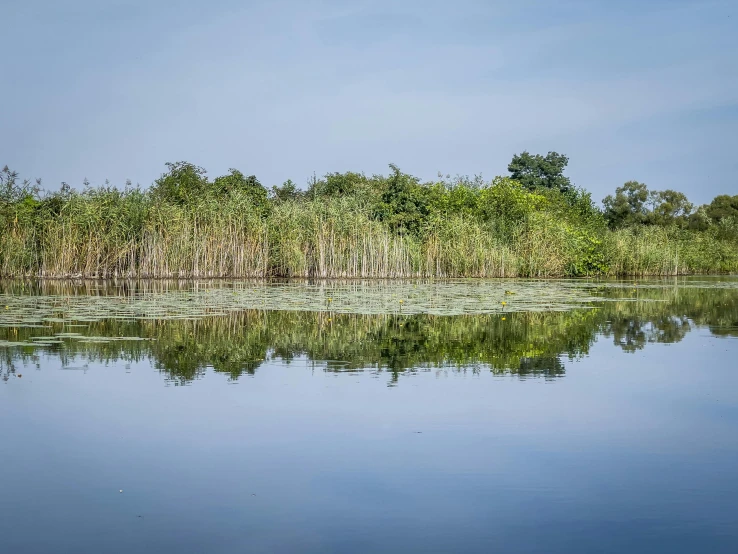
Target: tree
(236, 183)
(181, 184)
(288, 191)
(403, 204)
(506, 199)
(699, 220)
(535, 171)
(670, 207)
(628, 206)
(338, 184)
(722, 207)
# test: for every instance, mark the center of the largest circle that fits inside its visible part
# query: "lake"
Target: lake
(416, 416)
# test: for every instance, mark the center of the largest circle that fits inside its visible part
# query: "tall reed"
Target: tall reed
(108, 233)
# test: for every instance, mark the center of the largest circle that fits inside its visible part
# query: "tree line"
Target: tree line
(532, 222)
(404, 202)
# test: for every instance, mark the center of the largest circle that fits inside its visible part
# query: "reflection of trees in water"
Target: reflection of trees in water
(633, 334)
(667, 315)
(522, 344)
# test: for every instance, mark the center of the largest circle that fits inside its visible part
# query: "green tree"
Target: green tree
(404, 203)
(722, 207)
(628, 206)
(287, 191)
(670, 207)
(536, 171)
(236, 183)
(457, 196)
(338, 184)
(507, 199)
(181, 184)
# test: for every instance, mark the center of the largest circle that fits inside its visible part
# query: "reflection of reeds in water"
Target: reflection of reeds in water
(524, 344)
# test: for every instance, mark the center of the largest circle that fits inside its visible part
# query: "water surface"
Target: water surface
(510, 416)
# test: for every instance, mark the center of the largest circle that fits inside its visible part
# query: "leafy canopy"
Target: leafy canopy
(722, 207)
(185, 184)
(404, 204)
(536, 171)
(634, 204)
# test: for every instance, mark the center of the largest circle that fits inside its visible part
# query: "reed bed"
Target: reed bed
(112, 234)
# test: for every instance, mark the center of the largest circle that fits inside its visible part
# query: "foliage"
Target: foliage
(634, 204)
(185, 184)
(338, 184)
(287, 191)
(182, 184)
(353, 225)
(523, 344)
(235, 183)
(509, 200)
(722, 207)
(628, 206)
(536, 171)
(404, 204)
(12, 190)
(670, 208)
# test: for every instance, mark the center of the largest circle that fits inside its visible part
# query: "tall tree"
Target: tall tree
(237, 182)
(535, 171)
(722, 206)
(403, 205)
(670, 207)
(628, 206)
(181, 184)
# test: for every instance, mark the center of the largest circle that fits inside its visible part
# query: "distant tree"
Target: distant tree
(536, 171)
(670, 207)
(628, 206)
(634, 204)
(181, 184)
(338, 184)
(287, 191)
(699, 220)
(236, 183)
(404, 204)
(722, 207)
(507, 199)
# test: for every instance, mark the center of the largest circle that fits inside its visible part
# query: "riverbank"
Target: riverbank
(379, 227)
(318, 240)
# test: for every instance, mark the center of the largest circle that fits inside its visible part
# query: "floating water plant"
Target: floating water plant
(57, 314)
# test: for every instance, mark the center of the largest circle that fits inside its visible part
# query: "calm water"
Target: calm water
(610, 426)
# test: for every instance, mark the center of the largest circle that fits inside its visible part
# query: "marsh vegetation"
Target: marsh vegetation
(532, 223)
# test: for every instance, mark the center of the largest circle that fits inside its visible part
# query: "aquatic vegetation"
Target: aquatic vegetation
(345, 226)
(187, 328)
(373, 297)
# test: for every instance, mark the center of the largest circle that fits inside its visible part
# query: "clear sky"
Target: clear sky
(628, 89)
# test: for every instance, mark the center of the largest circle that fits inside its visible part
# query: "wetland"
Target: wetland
(395, 416)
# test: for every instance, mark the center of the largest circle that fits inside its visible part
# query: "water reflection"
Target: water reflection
(533, 344)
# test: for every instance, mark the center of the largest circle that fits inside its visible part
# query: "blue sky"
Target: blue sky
(644, 90)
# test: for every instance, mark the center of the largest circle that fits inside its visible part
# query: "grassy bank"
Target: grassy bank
(344, 226)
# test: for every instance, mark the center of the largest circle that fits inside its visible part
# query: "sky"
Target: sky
(628, 90)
